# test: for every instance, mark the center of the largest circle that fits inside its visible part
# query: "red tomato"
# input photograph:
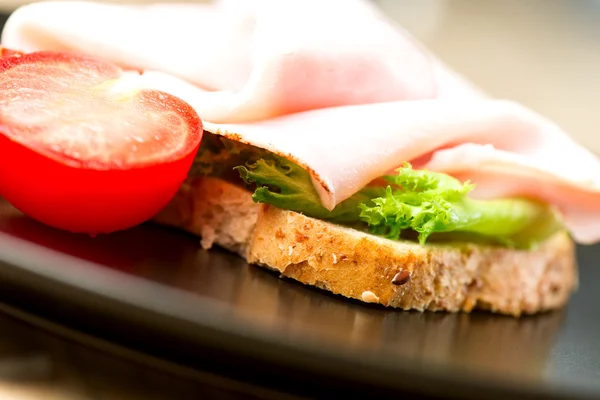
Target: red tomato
(82, 149)
(4, 52)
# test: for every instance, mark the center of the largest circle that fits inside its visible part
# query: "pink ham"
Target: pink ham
(275, 58)
(345, 94)
(506, 145)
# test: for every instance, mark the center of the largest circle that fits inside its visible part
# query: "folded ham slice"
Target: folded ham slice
(332, 85)
(275, 58)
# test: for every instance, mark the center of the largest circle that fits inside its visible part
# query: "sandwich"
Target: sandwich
(328, 146)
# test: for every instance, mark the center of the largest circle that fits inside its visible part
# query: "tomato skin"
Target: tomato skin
(88, 195)
(4, 52)
(86, 200)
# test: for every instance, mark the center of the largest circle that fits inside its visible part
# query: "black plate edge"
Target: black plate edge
(211, 343)
(114, 349)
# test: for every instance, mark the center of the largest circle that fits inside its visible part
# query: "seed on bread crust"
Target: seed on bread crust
(369, 297)
(401, 278)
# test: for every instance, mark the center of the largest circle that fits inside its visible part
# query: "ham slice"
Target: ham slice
(347, 95)
(275, 58)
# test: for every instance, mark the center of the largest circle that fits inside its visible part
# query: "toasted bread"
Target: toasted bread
(449, 277)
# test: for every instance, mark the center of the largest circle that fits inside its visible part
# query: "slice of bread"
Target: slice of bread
(441, 277)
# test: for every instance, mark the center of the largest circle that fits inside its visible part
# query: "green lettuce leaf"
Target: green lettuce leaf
(284, 184)
(218, 156)
(432, 206)
(429, 203)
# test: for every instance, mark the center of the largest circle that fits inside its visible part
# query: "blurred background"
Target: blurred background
(542, 53)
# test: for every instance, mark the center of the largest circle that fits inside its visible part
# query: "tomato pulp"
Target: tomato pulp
(82, 148)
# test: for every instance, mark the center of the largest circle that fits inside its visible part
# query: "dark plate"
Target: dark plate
(153, 290)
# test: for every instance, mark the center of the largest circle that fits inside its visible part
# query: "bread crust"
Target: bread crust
(401, 274)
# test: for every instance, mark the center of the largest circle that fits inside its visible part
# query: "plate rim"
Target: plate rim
(29, 271)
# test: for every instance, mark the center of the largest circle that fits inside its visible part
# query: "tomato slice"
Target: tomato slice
(4, 52)
(83, 148)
